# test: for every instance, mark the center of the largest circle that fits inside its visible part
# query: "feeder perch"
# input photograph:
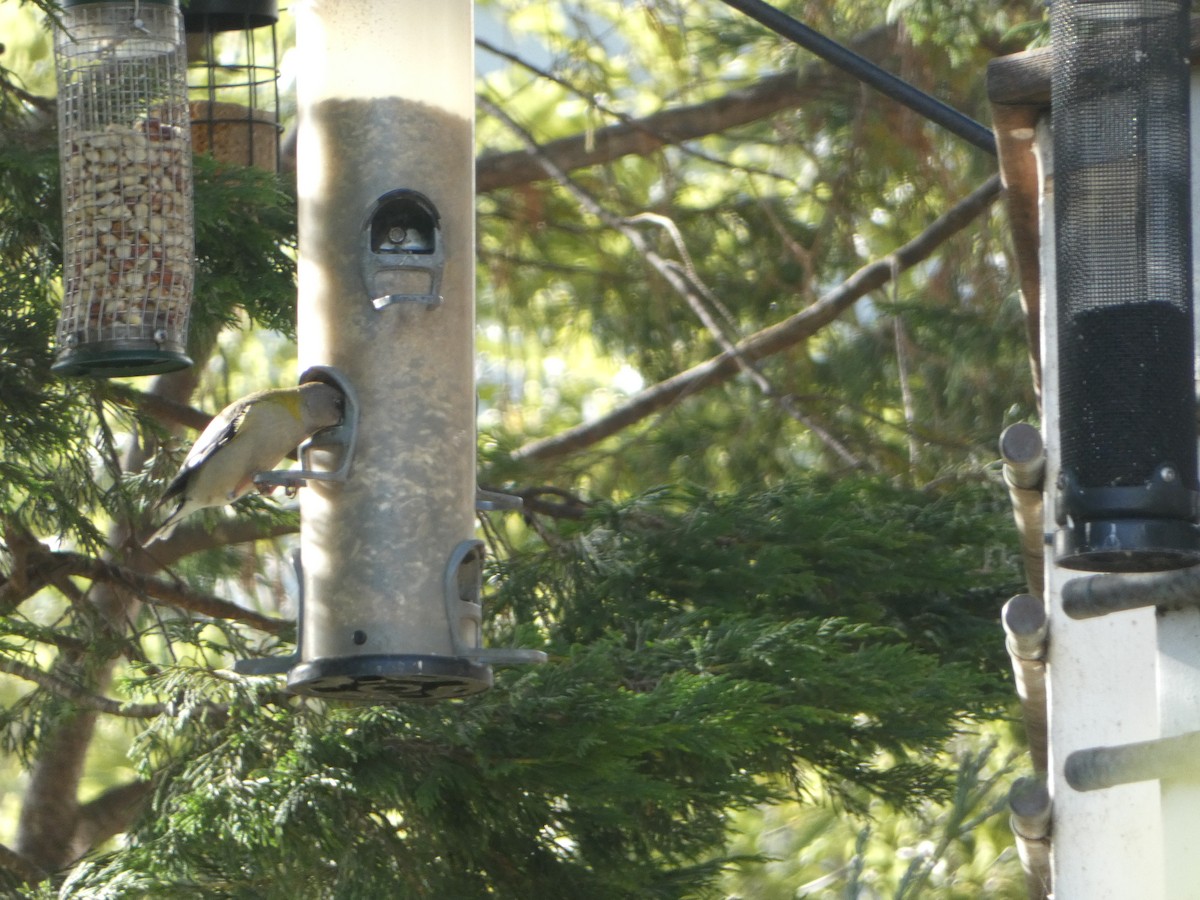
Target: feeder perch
(233, 80)
(126, 161)
(325, 456)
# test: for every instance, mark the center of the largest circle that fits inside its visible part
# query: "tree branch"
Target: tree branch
(172, 593)
(76, 694)
(533, 502)
(108, 815)
(770, 95)
(46, 566)
(595, 102)
(50, 807)
(774, 339)
(166, 408)
(20, 866)
(683, 279)
(195, 537)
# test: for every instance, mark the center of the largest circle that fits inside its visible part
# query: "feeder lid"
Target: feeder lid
(229, 15)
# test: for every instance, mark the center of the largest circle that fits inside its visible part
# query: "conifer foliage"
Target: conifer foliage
(705, 658)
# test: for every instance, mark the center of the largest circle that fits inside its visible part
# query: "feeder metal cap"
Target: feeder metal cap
(229, 15)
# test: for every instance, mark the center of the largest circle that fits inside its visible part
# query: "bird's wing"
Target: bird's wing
(219, 432)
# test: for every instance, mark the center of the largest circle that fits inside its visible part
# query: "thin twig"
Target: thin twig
(635, 125)
(785, 90)
(902, 369)
(41, 104)
(773, 339)
(164, 408)
(690, 287)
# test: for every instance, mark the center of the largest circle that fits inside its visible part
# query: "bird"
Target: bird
(248, 436)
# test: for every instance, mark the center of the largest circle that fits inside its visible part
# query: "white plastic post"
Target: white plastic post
(1106, 844)
(1118, 680)
(1179, 668)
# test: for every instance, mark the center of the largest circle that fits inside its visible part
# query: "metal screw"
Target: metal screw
(359, 637)
(1168, 474)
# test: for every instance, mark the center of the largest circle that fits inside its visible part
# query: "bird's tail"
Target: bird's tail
(167, 528)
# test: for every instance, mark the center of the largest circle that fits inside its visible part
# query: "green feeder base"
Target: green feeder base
(112, 359)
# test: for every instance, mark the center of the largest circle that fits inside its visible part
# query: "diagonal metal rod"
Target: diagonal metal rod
(869, 73)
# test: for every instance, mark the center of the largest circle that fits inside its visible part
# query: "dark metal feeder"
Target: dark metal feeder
(233, 80)
(126, 158)
(1129, 487)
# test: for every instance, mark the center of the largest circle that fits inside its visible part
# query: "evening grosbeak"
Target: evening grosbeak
(249, 436)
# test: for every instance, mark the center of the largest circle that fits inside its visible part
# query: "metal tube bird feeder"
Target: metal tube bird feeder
(392, 572)
(126, 159)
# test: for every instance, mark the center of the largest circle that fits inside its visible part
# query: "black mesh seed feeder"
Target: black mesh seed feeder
(1123, 253)
(126, 157)
(233, 79)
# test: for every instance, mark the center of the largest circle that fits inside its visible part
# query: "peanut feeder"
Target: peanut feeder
(126, 158)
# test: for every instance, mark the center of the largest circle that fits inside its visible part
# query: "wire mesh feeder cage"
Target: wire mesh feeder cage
(1123, 271)
(233, 78)
(126, 157)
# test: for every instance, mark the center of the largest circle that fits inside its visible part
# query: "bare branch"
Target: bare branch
(195, 537)
(683, 279)
(50, 807)
(76, 694)
(20, 866)
(31, 579)
(595, 103)
(903, 346)
(570, 506)
(770, 95)
(46, 567)
(171, 593)
(167, 409)
(108, 815)
(773, 339)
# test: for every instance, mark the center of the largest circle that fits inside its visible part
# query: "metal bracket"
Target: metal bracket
(463, 587)
(339, 440)
(492, 501)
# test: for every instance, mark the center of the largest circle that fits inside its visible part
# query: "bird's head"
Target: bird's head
(323, 404)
